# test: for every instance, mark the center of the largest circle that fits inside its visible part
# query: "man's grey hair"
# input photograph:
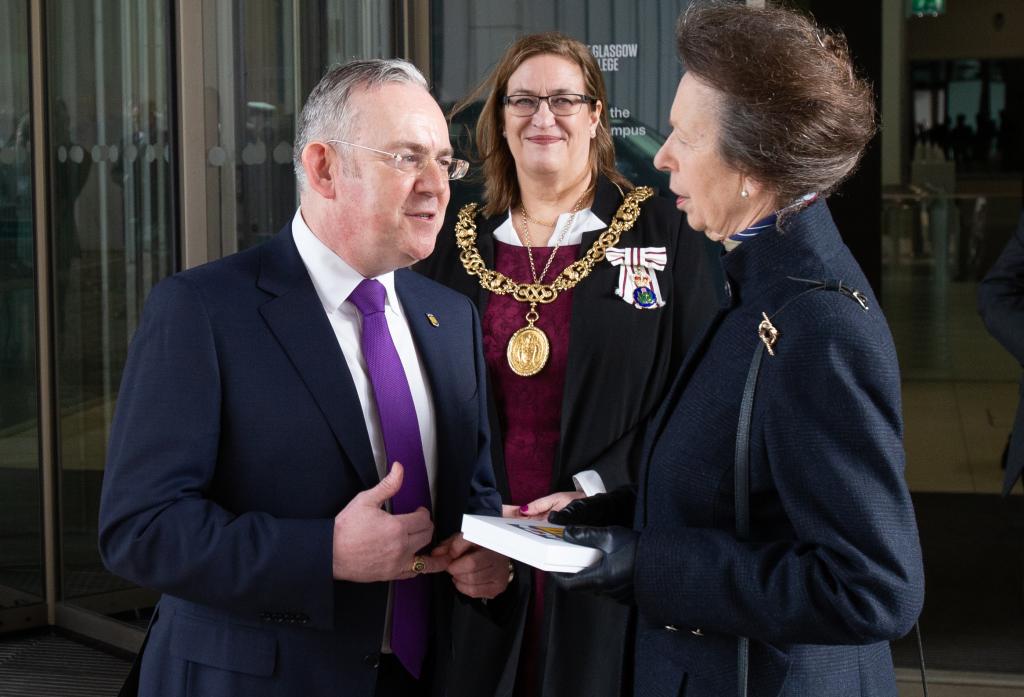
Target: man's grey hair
(327, 113)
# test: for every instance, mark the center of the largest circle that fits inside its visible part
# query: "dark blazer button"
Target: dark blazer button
(372, 660)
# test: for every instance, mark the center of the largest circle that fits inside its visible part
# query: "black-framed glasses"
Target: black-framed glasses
(559, 104)
(414, 162)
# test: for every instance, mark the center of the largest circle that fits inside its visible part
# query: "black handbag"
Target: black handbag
(769, 334)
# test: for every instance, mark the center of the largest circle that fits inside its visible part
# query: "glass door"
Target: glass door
(260, 60)
(102, 158)
(21, 566)
(112, 237)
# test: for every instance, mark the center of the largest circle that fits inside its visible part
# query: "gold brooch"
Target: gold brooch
(768, 334)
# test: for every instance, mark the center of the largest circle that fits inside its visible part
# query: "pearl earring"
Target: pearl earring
(744, 194)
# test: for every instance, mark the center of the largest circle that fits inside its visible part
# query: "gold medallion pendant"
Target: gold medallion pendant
(528, 348)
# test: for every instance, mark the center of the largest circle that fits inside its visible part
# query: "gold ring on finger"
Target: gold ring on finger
(418, 564)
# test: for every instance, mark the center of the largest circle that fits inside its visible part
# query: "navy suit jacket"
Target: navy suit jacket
(1001, 304)
(833, 567)
(238, 437)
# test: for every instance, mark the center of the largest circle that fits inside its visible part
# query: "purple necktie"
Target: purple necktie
(411, 598)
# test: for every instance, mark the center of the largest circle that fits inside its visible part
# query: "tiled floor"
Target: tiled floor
(960, 387)
(955, 434)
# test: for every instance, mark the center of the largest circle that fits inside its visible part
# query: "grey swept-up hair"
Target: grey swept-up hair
(326, 114)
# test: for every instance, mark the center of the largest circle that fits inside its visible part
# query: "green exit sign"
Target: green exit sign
(921, 8)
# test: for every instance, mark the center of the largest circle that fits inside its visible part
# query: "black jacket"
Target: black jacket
(621, 362)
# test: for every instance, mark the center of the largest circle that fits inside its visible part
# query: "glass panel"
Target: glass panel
(966, 110)
(249, 75)
(112, 227)
(254, 91)
(20, 517)
(942, 230)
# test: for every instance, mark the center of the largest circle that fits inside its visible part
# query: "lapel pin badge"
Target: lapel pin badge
(433, 320)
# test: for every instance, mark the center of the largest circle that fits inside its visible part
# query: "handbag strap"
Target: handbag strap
(920, 657)
(741, 471)
(742, 492)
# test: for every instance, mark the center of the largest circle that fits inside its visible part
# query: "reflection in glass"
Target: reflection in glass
(253, 95)
(112, 223)
(249, 66)
(20, 518)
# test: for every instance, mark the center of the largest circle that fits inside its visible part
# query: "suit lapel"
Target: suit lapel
(442, 357)
(296, 318)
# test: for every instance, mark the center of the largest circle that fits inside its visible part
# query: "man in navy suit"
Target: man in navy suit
(1001, 305)
(250, 475)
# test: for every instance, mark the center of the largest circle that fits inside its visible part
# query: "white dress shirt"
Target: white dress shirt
(585, 221)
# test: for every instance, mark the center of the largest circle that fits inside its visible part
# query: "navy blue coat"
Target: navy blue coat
(1001, 304)
(238, 437)
(833, 569)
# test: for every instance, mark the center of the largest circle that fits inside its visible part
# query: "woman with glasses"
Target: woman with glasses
(590, 290)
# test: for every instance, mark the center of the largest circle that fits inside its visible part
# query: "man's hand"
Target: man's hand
(477, 572)
(371, 544)
(539, 509)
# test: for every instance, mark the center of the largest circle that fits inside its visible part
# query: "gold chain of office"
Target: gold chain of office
(500, 284)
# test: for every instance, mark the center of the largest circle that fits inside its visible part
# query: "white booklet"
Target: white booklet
(534, 542)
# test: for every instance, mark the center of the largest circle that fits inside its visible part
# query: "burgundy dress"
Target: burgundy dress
(529, 408)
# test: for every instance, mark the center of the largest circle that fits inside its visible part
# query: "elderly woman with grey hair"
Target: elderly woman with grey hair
(773, 548)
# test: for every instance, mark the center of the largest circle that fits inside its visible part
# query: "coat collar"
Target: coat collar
(805, 238)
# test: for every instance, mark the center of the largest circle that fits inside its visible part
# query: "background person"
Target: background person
(611, 343)
(831, 570)
(1001, 306)
(264, 398)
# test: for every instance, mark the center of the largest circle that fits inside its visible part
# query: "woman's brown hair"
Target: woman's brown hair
(793, 113)
(501, 188)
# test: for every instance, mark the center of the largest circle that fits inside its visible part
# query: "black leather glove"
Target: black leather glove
(613, 508)
(613, 574)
